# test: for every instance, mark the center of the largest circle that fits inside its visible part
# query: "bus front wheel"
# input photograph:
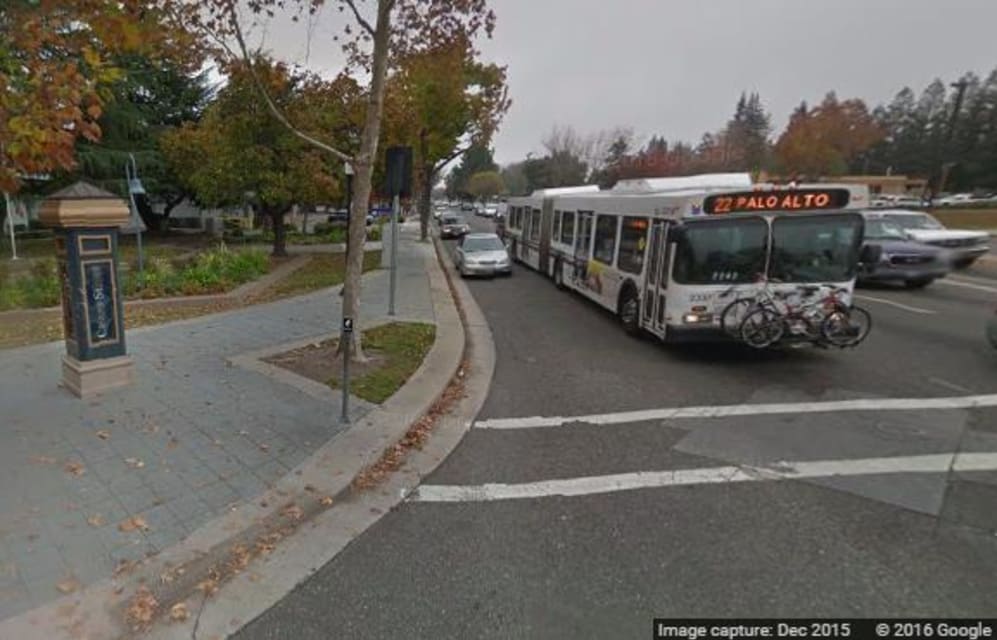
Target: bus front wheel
(630, 312)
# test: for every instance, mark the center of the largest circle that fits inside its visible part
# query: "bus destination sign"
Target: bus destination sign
(788, 200)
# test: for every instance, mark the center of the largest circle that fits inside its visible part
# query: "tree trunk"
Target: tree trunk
(279, 235)
(364, 166)
(425, 201)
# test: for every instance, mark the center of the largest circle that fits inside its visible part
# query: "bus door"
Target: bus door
(546, 222)
(656, 281)
(583, 248)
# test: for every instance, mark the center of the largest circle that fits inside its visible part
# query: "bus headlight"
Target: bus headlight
(697, 318)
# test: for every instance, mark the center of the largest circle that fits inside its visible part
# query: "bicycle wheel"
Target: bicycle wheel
(762, 328)
(733, 315)
(846, 328)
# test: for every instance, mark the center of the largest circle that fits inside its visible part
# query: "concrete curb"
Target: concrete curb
(99, 610)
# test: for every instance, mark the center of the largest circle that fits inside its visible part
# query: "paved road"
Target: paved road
(881, 519)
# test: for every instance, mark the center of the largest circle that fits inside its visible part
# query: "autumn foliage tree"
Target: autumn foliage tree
(823, 140)
(239, 153)
(372, 36)
(57, 58)
(443, 101)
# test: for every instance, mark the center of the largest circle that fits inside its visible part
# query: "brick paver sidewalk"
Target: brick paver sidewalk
(193, 437)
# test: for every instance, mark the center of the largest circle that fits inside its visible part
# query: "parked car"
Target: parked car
(955, 200)
(964, 245)
(490, 211)
(890, 201)
(482, 254)
(453, 226)
(467, 206)
(889, 256)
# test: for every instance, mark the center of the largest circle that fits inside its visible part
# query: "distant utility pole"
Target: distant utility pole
(947, 161)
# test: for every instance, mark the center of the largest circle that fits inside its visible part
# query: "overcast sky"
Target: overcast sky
(677, 67)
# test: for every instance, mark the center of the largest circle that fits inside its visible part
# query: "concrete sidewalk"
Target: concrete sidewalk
(192, 438)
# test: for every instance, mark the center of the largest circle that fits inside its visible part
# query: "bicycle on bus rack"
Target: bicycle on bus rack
(811, 313)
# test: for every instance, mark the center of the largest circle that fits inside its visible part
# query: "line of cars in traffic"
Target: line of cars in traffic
(914, 249)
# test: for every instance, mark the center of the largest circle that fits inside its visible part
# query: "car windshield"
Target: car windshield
(915, 221)
(881, 229)
(488, 243)
(816, 248)
(451, 220)
(718, 252)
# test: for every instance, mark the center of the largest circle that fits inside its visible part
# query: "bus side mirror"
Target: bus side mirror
(870, 254)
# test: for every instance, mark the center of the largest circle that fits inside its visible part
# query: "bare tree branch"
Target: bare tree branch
(360, 19)
(453, 156)
(237, 30)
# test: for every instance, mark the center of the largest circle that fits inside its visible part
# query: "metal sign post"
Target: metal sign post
(394, 255)
(347, 337)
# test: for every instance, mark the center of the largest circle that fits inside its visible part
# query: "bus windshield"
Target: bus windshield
(821, 248)
(721, 251)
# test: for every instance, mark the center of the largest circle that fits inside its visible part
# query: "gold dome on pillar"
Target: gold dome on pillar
(83, 205)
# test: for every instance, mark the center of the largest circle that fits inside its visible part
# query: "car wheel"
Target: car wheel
(918, 283)
(965, 263)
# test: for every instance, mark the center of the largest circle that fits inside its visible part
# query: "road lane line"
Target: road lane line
(567, 487)
(723, 411)
(952, 282)
(896, 304)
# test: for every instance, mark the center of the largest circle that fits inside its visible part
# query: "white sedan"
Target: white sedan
(482, 254)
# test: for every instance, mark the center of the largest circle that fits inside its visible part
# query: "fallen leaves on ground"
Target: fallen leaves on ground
(75, 468)
(103, 434)
(42, 459)
(292, 511)
(142, 608)
(394, 457)
(68, 585)
(123, 567)
(178, 612)
(173, 443)
(134, 463)
(96, 520)
(264, 448)
(326, 501)
(132, 524)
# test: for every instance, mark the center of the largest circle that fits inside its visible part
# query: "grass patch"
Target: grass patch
(984, 219)
(326, 270)
(401, 346)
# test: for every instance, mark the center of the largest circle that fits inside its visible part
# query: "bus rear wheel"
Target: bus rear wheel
(630, 313)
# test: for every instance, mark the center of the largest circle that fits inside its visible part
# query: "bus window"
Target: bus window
(721, 251)
(605, 239)
(556, 236)
(633, 242)
(568, 228)
(535, 225)
(815, 249)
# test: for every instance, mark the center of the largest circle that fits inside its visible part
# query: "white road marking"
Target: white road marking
(954, 282)
(896, 304)
(934, 463)
(723, 411)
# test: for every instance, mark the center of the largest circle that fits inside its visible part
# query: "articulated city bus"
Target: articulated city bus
(666, 254)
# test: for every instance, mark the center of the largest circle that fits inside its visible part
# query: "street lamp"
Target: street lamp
(135, 224)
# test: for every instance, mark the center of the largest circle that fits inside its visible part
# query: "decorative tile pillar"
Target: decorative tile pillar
(86, 221)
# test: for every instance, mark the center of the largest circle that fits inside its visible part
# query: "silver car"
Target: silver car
(482, 254)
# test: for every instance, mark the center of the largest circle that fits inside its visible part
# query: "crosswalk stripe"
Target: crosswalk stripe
(722, 411)
(567, 487)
